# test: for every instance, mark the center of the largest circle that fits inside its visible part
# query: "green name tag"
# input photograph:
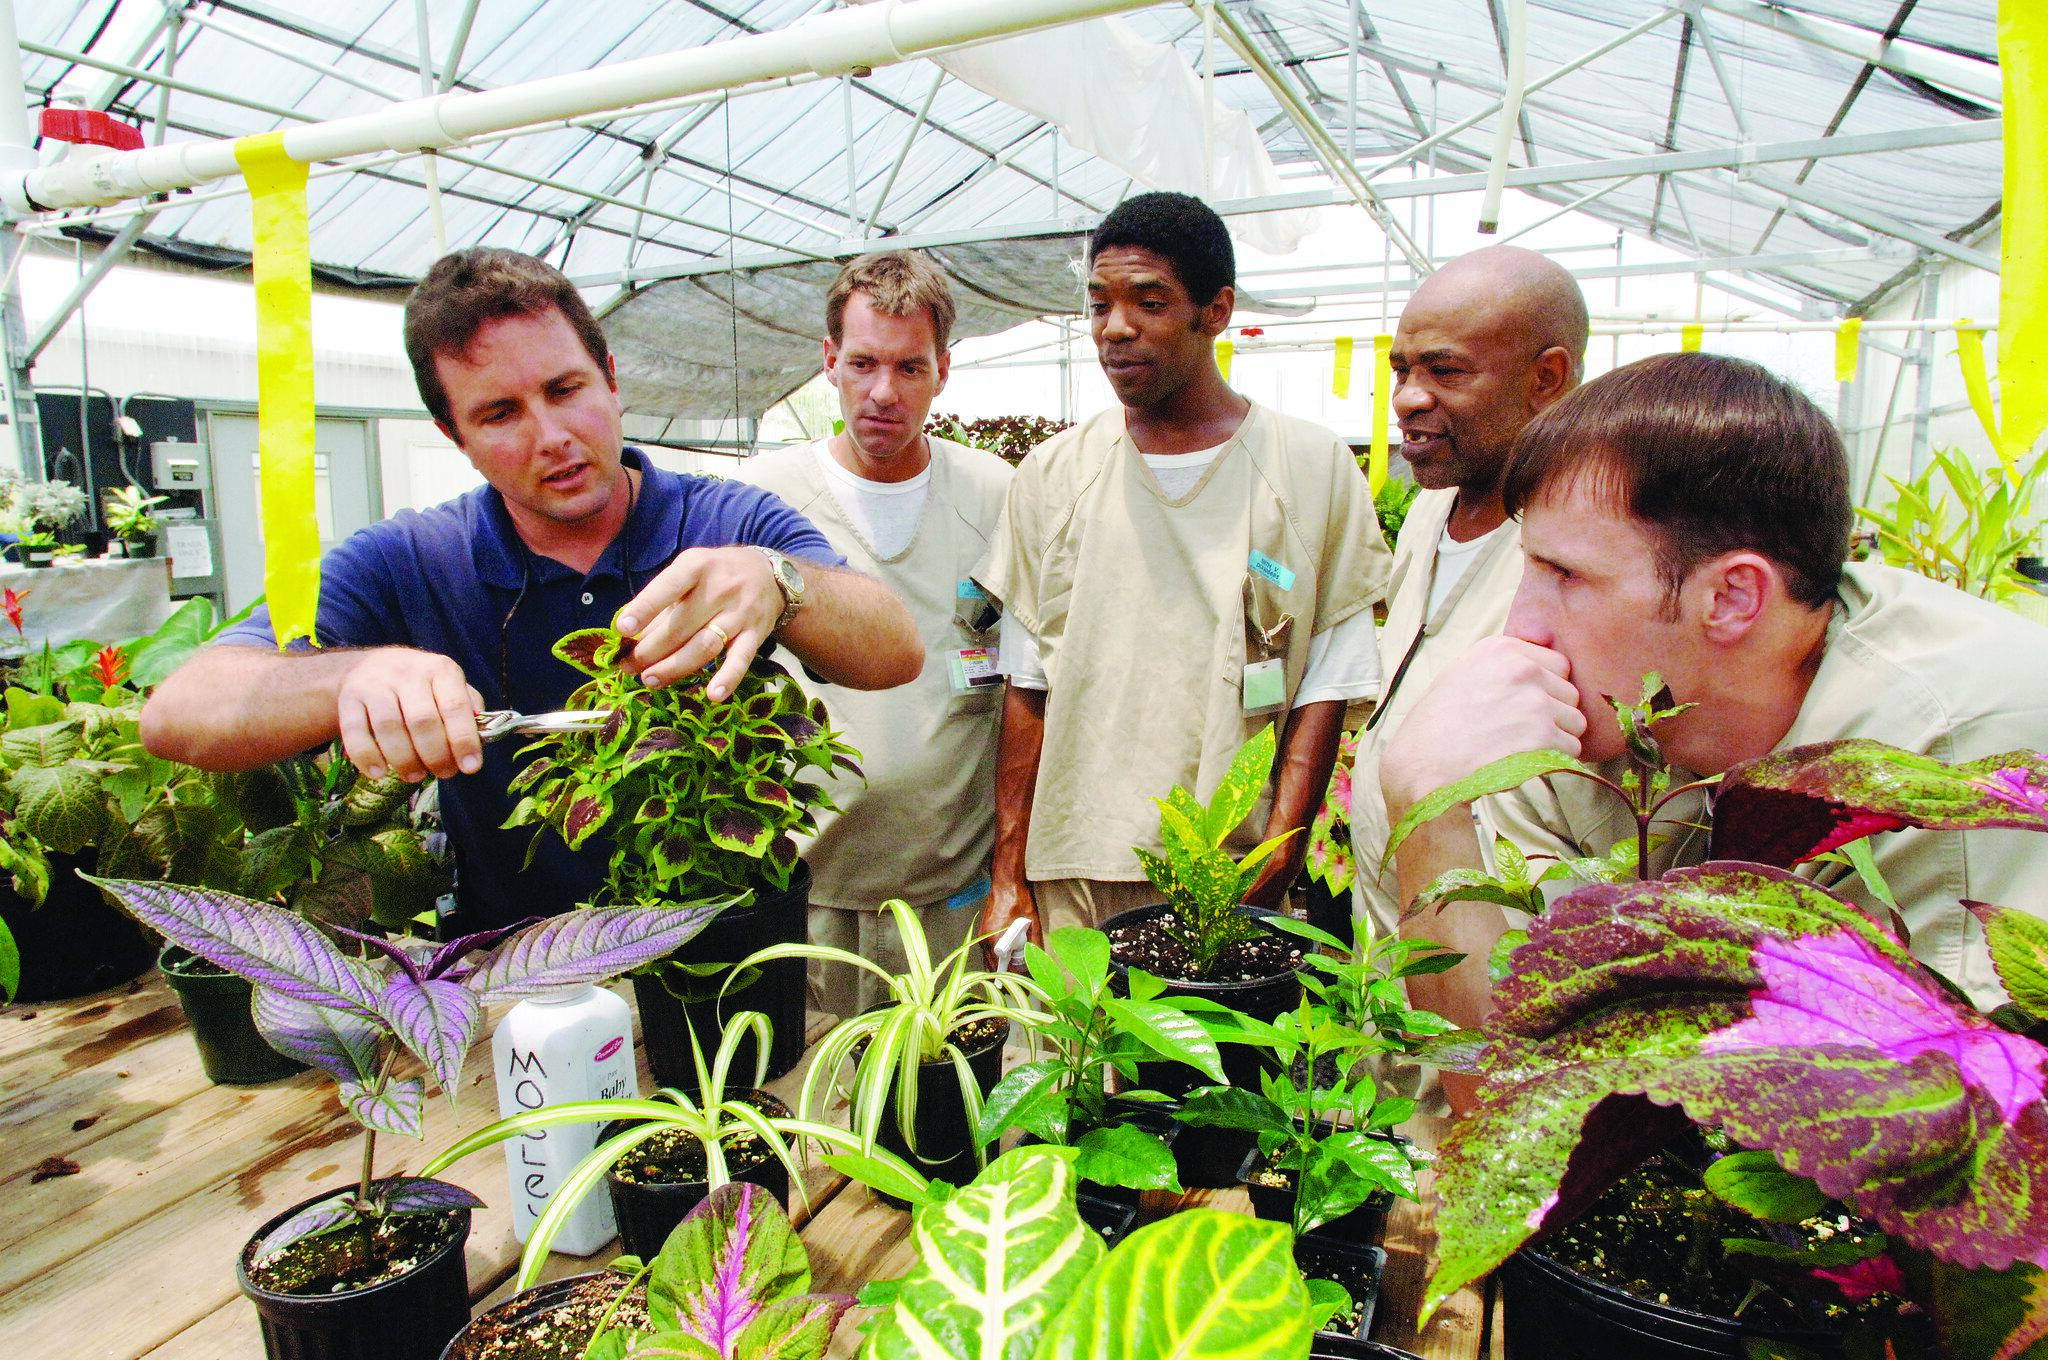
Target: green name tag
(1272, 571)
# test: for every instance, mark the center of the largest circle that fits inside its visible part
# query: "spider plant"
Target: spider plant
(711, 1117)
(886, 1045)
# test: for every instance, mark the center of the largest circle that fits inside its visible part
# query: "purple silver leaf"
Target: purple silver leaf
(586, 946)
(397, 1109)
(437, 1019)
(475, 942)
(266, 945)
(326, 1216)
(343, 1046)
(422, 1195)
(403, 956)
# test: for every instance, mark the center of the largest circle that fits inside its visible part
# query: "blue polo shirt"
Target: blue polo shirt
(458, 580)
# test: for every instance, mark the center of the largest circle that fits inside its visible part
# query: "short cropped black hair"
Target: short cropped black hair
(1182, 230)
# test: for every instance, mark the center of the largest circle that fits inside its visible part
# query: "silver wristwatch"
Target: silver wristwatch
(788, 580)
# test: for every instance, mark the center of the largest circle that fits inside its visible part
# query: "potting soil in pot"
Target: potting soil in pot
(1358, 1269)
(554, 1322)
(673, 1157)
(1657, 1235)
(1146, 945)
(354, 1258)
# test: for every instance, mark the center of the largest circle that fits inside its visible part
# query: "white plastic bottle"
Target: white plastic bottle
(573, 1046)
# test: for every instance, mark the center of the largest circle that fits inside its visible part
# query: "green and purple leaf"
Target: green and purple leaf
(586, 946)
(768, 793)
(329, 1215)
(740, 829)
(398, 1107)
(800, 728)
(586, 815)
(266, 945)
(436, 1019)
(733, 1265)
(582, 649)
(1787, 807)
(422, 1195)
(342, 1045)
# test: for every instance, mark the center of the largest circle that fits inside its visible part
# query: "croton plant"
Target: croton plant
(699, 797)
(1739, 996)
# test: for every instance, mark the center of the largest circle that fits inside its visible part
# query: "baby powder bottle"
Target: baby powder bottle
(574, 1045)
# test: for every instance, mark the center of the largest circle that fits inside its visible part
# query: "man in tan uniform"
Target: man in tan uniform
(1176, 573)
(1688, 514)
(1485, 343)
(916, 512)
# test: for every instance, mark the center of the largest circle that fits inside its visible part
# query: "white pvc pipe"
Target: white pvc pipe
(837, 42)
(1510, 115)
(17, 142)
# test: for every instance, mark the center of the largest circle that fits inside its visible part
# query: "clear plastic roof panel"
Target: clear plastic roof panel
(1684, 125)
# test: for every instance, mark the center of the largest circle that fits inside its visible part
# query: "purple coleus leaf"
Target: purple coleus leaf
(800, 728)
(266, 945)
(768, 793)
(580, 649)
(653, 742)
(1861, 1281)
(1836, 989)
(436, 1019)
(344, 1046)
(740, 829)
(1791, 805)
(731, 1259)
(585, 946)
(585, 815)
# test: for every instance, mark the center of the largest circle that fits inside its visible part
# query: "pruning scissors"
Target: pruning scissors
(491, 724)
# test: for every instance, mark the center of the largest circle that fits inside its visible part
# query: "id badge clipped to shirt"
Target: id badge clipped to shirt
(1264, 686)
(974, 667)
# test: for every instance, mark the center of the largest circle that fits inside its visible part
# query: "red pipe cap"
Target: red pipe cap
(90, 127)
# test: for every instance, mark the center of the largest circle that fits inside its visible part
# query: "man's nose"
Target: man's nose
(882, 391)
(1527, 619)
(1410, 396)
(1116, 325)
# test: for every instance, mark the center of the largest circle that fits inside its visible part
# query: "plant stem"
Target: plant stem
(369, 1157)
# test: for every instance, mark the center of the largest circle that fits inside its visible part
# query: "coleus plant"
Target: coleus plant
(733, 1282)
(698, 797)
(1197, 875)
(1007, 1269)
(352, 1015)
(1088, 1032)
(1751, 999)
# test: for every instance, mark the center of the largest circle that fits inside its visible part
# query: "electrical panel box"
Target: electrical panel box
(179, 466)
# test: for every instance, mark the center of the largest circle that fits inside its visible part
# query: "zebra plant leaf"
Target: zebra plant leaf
(995, 1261)
(267, 945)
(1201, 1285)
(586, 946)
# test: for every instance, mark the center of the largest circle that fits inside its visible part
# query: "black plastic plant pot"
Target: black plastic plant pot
(1328, 911)
(509, 1327)
(945, 1135)
(1330, 1346)
(408, 1318)
(38, 557)
(1365, 1225)
(1151, 1116)
(1358, 1268)
(777, 990)
(143, 546)
(1554, 1313)
(1110, 1217)
(648, 1211)
(75, 943)
(231, 1049)
(1207, 1157)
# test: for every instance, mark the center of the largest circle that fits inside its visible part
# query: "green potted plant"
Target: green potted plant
(925, 1059)
(1873, 1146)
(732, 1282)
(129, 520)
(698, 799)
(42, 509)
(1206, 944)
(377, 1267)
(661, 1156)
(1962, 525)
(1124, 1143)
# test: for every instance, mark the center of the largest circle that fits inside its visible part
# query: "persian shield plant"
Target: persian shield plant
(697, 797)
(353, 1015)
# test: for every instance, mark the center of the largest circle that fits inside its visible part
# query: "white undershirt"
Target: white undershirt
(883, 513)
(1343, 662)
(1453, 560)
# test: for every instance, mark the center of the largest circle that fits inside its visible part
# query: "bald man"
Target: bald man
(1484, 344)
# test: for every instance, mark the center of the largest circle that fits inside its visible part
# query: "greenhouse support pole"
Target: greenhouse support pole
(835, 42)
(1510, 115)
(1923, 370)
(17, 156)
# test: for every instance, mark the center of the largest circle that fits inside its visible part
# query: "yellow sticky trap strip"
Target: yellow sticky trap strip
(284, 383)
(1340, 379)
(1224, 351)
(2023, 272)
(1848, 348)
(1382, 402)
(1970, 353)
(1689, 338)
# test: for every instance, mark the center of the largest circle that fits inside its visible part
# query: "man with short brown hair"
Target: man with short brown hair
(917, 512)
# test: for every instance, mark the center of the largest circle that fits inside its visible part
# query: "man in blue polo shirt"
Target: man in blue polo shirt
(429, 616)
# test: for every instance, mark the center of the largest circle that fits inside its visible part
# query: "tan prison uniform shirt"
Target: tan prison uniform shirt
(922, 826)
(1138, 605)
(1476, 608)
(1913, 663)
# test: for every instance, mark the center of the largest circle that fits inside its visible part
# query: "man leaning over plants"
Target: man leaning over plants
(917, 512)
(1176, 573)
(1689, 515)
(428, 617)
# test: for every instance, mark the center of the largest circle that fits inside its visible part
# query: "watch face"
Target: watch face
(791, 577)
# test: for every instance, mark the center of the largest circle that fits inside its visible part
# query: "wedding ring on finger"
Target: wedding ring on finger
(724, 638)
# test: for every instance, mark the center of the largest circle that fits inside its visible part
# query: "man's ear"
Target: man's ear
(1214, 319)
(831, 362)
(945, 370)
(1740, 588)
(611, 371)
(449, 434)
(1551, 377)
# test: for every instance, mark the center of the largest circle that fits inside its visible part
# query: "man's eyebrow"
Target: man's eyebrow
(1545, 560)
(1142, 281)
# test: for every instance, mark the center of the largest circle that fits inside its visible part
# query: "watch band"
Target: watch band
(788, 580)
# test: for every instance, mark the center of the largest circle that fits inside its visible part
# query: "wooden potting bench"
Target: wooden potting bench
(127, 1250)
